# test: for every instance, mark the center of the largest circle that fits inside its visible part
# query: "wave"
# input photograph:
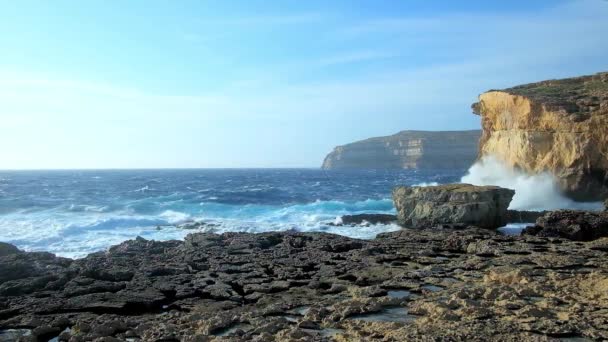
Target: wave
(88, 208)
(82, 229)
(532, 192)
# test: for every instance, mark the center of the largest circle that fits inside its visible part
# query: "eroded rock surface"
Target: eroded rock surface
(557, 126)
(482, 206)
(575, 225)
(471, 284)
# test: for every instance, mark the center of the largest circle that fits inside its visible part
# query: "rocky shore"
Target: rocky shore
(471, 284)
(446, 281)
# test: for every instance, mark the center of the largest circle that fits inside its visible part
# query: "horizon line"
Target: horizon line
(164, 168)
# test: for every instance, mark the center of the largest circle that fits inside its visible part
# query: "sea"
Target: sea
(72, 213)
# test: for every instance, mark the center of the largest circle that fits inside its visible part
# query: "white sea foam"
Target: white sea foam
(174, 217)
(425, 184)
(532, 192)
(77, 232)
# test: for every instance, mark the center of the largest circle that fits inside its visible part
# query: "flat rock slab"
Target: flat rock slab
(482, 206)
(471, 284)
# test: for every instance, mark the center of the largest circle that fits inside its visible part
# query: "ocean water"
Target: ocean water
(73, 213)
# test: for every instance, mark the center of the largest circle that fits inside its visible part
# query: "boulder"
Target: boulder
(575, 225)
(425, 207)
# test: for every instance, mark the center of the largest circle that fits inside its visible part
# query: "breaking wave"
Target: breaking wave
(532, 192)
(73, 213)
(75, 233)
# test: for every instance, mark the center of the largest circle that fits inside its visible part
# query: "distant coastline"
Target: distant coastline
(408, 150)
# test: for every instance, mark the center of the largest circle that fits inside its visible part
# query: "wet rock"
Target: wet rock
(482, 206)
(524, 216)
(571, 224)
(350, 220)
(198, 225)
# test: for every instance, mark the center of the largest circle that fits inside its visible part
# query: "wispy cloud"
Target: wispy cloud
(438, 65)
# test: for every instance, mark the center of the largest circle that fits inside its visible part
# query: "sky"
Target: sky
(252, 83)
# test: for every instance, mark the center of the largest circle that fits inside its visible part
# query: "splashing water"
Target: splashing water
(532, 192)
(72, 213)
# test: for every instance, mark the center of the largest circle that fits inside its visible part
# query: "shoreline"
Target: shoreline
(469, 284)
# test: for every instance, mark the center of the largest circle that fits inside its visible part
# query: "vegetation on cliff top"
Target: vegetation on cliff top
(577, 94)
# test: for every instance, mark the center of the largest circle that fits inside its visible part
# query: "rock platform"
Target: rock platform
(427, 285)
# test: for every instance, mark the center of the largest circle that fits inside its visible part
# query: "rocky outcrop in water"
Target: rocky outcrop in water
(408, 150)
(466, 204)
(571, 224)
(466, 285)
(557, 126)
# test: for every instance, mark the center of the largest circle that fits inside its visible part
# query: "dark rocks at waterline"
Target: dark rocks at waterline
(481, 206)
(198, 225)
(6, 249)
(363, 219)
(524, 216)
(575, 225)
(471, 284)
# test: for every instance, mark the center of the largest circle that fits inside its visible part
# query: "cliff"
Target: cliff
(408, 150)
(559, 126)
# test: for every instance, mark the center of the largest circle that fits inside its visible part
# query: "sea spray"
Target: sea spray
(79, 212)
(532, 192)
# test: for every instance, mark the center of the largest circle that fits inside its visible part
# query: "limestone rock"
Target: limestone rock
(425, 207)
(408, 150)
(571, 224)
(558, 126)
(408, 285)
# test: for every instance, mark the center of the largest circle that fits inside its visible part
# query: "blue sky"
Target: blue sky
(139, 84)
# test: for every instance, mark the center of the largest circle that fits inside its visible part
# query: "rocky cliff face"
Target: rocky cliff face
(559, 126)
(408, 150)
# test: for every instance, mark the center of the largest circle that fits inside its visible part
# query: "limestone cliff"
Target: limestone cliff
(559, 126)
(408, 150)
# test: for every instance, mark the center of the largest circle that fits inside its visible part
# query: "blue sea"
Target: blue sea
(73, 213)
